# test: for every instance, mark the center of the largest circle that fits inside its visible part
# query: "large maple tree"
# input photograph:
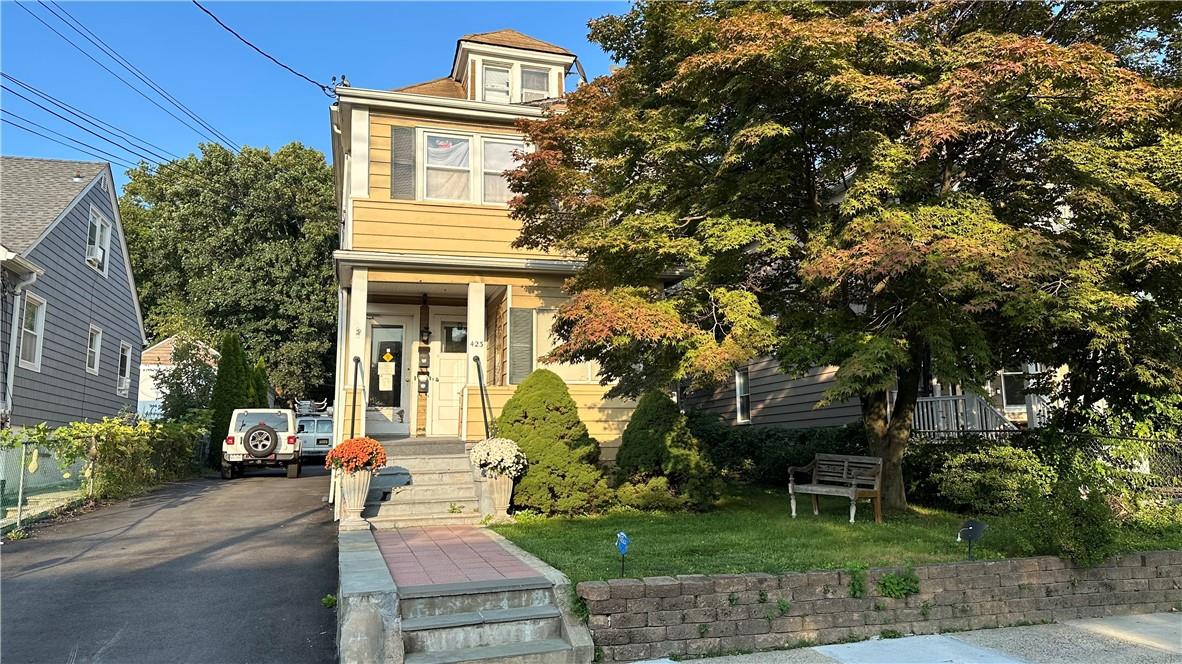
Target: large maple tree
(890, 188)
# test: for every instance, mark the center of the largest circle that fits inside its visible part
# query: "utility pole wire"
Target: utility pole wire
(90, 36)
(93, 133)
(112, 73)
(156, 150)
(109, 157)
(323, 88)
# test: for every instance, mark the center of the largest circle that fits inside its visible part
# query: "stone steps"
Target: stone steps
(504, 621)
(388, 521)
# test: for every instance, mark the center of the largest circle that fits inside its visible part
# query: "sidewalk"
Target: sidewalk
(1142, 639)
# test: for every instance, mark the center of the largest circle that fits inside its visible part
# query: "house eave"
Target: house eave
(445, 107)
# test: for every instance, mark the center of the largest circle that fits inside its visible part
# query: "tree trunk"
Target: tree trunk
(888, 435)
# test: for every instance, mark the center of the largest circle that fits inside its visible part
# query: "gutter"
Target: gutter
(443, 106)
(17, 291)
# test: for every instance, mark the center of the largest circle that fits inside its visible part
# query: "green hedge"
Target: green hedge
(763, 454)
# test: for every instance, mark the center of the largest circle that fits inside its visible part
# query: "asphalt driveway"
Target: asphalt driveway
(203, 571)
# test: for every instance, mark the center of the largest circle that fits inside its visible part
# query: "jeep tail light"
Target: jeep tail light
(229, 440)
(291, 440)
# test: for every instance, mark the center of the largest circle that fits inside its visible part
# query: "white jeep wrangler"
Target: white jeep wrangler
(261, 437)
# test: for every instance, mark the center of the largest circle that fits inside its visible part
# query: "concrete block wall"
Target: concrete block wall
(634, 619)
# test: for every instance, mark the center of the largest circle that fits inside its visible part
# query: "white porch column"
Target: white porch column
(358, 307)
(476, 331)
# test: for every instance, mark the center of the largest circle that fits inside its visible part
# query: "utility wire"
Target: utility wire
(323, 88)
(90, 36)
(109, 157)
(81, 50)
(121, 146)
(146, 145)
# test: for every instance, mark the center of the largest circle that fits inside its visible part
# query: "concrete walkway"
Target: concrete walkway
(205, 570)
(1144, 639)
(447, 554)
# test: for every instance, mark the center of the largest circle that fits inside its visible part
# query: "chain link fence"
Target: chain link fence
(32, 482)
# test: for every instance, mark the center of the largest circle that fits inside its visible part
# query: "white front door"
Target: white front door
(449, 373)
(388, 390)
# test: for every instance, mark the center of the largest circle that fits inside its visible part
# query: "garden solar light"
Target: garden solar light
(970, 532)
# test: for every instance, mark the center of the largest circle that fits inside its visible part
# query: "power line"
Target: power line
(323, 88)
(146, 145)
(81, 29)
(110, 157)
(112, 73)
(121, 146)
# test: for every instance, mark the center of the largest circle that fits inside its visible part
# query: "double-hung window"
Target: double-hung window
(449, 168)
(94, 349)
(535, 84)
(98, 241)
(123, 382)
(498, 158)
(32, 332)
(496, 84)
(742, 396)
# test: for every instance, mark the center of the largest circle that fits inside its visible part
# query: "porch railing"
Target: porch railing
(960, 412)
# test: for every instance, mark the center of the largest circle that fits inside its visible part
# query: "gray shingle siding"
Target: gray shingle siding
(778, 400)
(76, 297)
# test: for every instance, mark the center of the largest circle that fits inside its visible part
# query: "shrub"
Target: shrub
(125, 458)
(232, 389)
(763, 454)
(1073, 521)
(651, 494)
(658, 443)
(544, 420)
(993, 481)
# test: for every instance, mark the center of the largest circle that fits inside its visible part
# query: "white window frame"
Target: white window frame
(123, 382)
(519, 144)
(547, 93)
(739, 396)
(476, 143)
(509, 74)
(98, 350)
(39, 323)
(104, 240)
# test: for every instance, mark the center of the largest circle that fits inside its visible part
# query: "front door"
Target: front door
(387, 408)
(449, 372)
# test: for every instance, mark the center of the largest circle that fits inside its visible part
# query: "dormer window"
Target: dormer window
(496, 84)
(535, 84)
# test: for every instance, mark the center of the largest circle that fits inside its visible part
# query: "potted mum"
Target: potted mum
(358, 460)
(500, 461)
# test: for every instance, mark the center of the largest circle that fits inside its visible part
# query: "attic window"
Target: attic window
(496, 84)
(98, 241)
(535, 84)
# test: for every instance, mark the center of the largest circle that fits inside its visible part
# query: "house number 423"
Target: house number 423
(476, 344)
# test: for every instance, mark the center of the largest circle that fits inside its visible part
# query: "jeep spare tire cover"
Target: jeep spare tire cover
(260, 440)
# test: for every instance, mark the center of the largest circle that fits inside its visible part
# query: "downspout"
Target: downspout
(17, 290)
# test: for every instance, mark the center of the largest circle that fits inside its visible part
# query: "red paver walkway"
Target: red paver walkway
(447, 554)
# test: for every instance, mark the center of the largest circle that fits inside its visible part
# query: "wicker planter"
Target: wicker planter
(501, 489)
(354, 489)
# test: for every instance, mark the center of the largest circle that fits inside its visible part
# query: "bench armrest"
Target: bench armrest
(792, 470)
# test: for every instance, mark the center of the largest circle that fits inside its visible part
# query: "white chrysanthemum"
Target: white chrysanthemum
(499, 457)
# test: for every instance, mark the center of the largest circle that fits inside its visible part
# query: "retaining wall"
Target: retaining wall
(633, 619)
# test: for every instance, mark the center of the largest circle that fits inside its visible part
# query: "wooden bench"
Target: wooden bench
(840, 475)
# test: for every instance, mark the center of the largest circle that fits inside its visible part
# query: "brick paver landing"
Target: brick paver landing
(447, 554)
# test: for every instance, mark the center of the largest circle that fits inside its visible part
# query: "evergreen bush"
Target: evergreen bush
(261, 385)
(658, 442)
(232, 389)
(1073, 521)
(763, 454)
(562, 477)
(993, 481)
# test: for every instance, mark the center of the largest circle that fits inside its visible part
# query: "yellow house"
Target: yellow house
(432, 295)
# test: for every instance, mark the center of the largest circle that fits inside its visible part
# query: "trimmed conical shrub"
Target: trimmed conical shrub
(543, 419)
(658, 443)
(232, 389)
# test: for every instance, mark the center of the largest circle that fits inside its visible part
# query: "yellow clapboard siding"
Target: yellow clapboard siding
(379, 143)
(442, 246)
(438, 231)
(605, 418)
(535, 297)
(379, 125)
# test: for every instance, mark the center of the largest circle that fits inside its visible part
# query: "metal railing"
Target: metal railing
(490, 425)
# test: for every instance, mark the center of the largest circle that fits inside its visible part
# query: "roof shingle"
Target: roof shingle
(515, 39)
(33, 193)
(440, 87)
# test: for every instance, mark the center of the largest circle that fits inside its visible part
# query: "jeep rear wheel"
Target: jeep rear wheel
(260, 441)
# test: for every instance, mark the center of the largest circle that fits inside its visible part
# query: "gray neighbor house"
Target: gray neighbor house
(71, 331)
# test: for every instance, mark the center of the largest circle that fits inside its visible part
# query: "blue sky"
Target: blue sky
(254, 102)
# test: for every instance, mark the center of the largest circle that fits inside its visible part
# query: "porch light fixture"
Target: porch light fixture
(425, 335)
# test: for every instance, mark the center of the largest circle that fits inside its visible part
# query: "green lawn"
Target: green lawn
(752, 531)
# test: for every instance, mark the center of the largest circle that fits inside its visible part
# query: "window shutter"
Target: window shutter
(521, 344)
(402, 163)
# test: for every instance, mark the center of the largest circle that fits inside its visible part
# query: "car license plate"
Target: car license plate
(321, 441)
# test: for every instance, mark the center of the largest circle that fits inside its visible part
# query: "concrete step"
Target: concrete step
(548, 651)
(419, 464)
(426, 601)
(416, 491)
(422, 447)
(481, 628)
(414, 521)
(404, 505)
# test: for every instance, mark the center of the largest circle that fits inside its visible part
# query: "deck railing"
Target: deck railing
(960, 412)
